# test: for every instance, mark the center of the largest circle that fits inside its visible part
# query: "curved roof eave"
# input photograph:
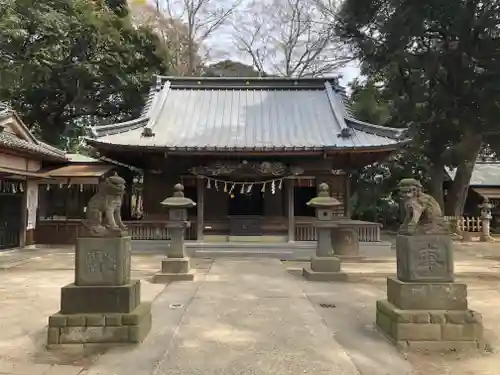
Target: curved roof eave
(205, 150)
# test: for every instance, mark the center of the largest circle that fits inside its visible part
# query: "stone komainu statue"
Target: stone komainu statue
(103, 217)
(423, 214)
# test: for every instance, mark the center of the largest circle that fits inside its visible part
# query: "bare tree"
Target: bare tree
(172, 32)
(292, 38)
(202, 20)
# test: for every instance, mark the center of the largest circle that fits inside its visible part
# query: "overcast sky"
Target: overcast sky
(221, 45)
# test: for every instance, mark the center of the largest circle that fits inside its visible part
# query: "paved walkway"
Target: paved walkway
(245, 317)
(239, 316)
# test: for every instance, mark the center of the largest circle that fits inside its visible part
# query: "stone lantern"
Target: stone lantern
(325, 266)
(176, 265)
(486, 217)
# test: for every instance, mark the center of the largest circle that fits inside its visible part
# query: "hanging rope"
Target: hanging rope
(245, 187)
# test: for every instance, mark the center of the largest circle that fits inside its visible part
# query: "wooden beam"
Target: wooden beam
(347, 194)
(200, 222)
(290, 187)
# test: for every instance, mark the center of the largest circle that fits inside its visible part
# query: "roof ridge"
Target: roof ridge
(120, 127)
(385, 131)
(6, 110)
(248, 82)
(162, 77)
(124, 126)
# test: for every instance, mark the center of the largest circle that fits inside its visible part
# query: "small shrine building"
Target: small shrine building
(249, 151)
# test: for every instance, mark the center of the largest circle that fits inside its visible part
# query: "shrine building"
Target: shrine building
(249, 151)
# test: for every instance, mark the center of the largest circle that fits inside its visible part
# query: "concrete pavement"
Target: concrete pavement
(243, 317)
(239, 316)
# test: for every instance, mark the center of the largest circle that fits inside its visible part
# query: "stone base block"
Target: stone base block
(351, 258)
(325, 264)
(425, 258)
(311, 275)
(467, 236)
(345, 242)
(102, 261)
(77, 299)
(486, 238)
(175, 265)
(426, 296)
(103, 328)
(430, 329)
(165, 278)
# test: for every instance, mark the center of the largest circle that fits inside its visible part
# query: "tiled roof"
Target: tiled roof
(42, 149)
(483, 174)
(4, 110)
(247, 114)
(35, 147)
(79, 170)
(79, 158)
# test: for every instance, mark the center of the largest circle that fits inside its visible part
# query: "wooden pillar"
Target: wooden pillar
(291, 209)
(347, 196)
(31, 198)
(126, 209)
(200, 203)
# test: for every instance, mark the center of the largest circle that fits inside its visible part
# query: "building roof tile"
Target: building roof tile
(40, 149)
(483, 174)
(247, 114)
(31, 144)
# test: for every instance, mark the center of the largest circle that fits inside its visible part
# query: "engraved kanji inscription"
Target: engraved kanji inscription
(99, 261)
(424, 258)
(428, 261)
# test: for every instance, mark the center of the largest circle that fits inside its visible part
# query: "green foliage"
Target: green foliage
(375, 185)
(439, 64)
(66, 64)
(368, 103)
(439, 59)
(229, 68)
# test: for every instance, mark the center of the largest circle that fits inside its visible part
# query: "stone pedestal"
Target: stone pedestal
(102, 261)
(174, 269)
(425, 258)
(103, 305)
(324, 266)
(425, 309)
(100, 328)
(77, 299)
(345, 243)
(324, 269)
(485, 234)
(467, 236)
(429, 316)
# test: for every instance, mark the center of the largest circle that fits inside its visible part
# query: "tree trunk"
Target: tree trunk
(460, 186)
(436, 182)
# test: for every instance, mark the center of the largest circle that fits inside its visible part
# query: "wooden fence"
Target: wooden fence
(367, 232)
(156, 230)
(465, 223)
(66, 231)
